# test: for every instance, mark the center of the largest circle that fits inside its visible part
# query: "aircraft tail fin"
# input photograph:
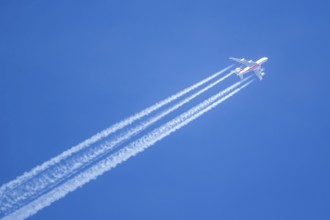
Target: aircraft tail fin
(238, 72)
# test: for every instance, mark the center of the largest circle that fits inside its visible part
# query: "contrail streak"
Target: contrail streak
(125, 153)
(38, 169)
(57, 173)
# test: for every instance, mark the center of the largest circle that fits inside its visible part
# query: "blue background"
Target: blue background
(69, 69)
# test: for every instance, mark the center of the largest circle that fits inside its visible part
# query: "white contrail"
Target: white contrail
(40, 168)
(125, 153)
(11, 199)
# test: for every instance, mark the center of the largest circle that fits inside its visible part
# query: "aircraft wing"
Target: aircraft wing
(260, 73)
(244, 61)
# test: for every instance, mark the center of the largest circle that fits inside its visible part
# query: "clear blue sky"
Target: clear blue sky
(69, 69)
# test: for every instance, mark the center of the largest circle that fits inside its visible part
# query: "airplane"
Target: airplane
(250, 66)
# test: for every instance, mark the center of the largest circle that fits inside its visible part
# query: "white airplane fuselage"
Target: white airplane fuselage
(250, 66)
(257, 65)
